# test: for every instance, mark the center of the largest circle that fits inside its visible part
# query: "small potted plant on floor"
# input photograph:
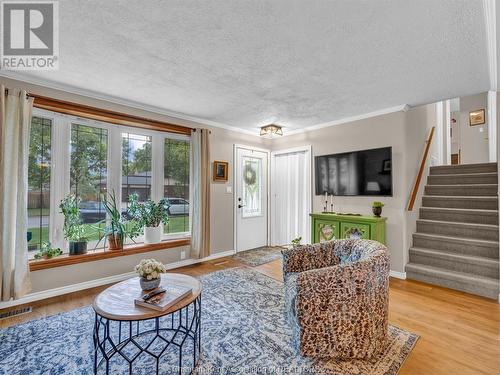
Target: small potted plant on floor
(377, 208)
(74, 230)
(116, 232)
(150, 271)
(296, 241)
(150, 215)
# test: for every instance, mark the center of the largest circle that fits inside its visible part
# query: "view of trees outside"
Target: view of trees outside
(176, 174)
(39, 182)
(136, 166)
(88, 173)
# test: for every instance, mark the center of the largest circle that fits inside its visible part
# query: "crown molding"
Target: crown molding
(385, 111)
(124, 102)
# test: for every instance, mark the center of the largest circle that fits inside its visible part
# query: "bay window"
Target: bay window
(89, 158)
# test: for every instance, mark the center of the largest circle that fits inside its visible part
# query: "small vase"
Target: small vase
(149, 284)
(377, 211)
(152, 234)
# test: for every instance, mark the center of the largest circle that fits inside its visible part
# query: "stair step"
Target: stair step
(458, 179)
(465, 246)
(460, 215)
(455, 229)
(480, 285)
(472, 202)
(464, 168)
(455, 262)
(462, 190)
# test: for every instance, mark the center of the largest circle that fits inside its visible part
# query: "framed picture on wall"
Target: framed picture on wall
(220, 172)
(476, 117)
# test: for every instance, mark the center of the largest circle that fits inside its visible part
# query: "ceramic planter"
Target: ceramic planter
(76, 248)
(377, 211)
(152, 234)
(115, 242)
(149, 284)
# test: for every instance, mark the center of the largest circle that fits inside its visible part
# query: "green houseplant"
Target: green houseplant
(377, 208)
(116, 231)
(149, 215)
(74, 230)
(47, 251)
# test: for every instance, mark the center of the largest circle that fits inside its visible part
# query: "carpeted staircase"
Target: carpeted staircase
(456, 243)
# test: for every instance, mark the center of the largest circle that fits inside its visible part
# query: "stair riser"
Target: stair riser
(480, 204)
(461, 217)
(452, 284)
(490, 234)
(453, 265)
(464, 169)
(457, 180)
(479, 190)
(456, 247)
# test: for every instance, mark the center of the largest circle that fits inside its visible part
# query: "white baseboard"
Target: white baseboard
(37, 296)
(398, 275)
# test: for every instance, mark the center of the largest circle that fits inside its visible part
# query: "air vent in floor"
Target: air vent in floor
(16, 312)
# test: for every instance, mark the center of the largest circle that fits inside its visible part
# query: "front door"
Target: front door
(251, 198)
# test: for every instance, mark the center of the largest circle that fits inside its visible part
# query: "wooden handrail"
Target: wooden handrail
(423, 161)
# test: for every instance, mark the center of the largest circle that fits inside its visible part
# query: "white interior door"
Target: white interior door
(251, 170)
(291, 195)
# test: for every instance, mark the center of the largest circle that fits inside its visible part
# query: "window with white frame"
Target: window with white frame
(90, 158)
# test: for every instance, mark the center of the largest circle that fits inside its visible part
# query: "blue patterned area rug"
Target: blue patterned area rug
(243, 332)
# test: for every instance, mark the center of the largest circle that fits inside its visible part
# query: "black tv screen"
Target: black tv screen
(367, 172)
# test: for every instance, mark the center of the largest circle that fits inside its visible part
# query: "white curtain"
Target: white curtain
(200, 193)
(291, 197)
(15, 122)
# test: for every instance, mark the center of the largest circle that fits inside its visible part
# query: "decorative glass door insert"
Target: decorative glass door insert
(252, 186)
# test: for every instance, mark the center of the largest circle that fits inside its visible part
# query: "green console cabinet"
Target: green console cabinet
(328, 226)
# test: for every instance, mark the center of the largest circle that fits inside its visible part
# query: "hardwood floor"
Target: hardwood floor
(459, 333)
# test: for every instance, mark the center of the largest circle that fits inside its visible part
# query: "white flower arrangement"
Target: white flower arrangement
(150, 269)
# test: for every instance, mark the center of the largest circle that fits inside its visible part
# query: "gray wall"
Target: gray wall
(406, 133)
(473, 142)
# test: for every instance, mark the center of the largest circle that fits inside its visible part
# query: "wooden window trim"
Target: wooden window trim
(100, 254)
(105, 115)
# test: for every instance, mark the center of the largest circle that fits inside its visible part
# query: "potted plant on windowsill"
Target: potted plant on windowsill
(116, 232)
(47, 251)
(74, 230)
(150, 215)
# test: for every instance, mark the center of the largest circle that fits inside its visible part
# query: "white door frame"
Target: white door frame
(236, 146)
(308, 151)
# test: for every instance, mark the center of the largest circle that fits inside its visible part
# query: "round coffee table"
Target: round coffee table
(124, 329)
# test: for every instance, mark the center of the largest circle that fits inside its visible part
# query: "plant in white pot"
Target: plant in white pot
(150, 271)
(150, 215)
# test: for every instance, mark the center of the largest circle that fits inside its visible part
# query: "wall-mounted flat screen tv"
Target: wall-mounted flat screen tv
(367, 172)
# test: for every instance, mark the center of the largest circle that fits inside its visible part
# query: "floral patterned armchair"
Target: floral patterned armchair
(337, 297)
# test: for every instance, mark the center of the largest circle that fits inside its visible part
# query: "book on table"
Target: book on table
(164, 300)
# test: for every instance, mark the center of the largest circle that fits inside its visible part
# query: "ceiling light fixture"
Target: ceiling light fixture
(271, 130)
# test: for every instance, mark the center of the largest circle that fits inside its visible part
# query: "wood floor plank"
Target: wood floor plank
(459, 333)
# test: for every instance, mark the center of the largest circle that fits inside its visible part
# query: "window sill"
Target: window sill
(94, 255)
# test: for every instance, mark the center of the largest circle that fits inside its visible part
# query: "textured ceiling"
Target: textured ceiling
(296, 63)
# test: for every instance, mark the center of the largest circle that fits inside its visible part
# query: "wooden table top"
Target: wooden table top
(117, 301)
